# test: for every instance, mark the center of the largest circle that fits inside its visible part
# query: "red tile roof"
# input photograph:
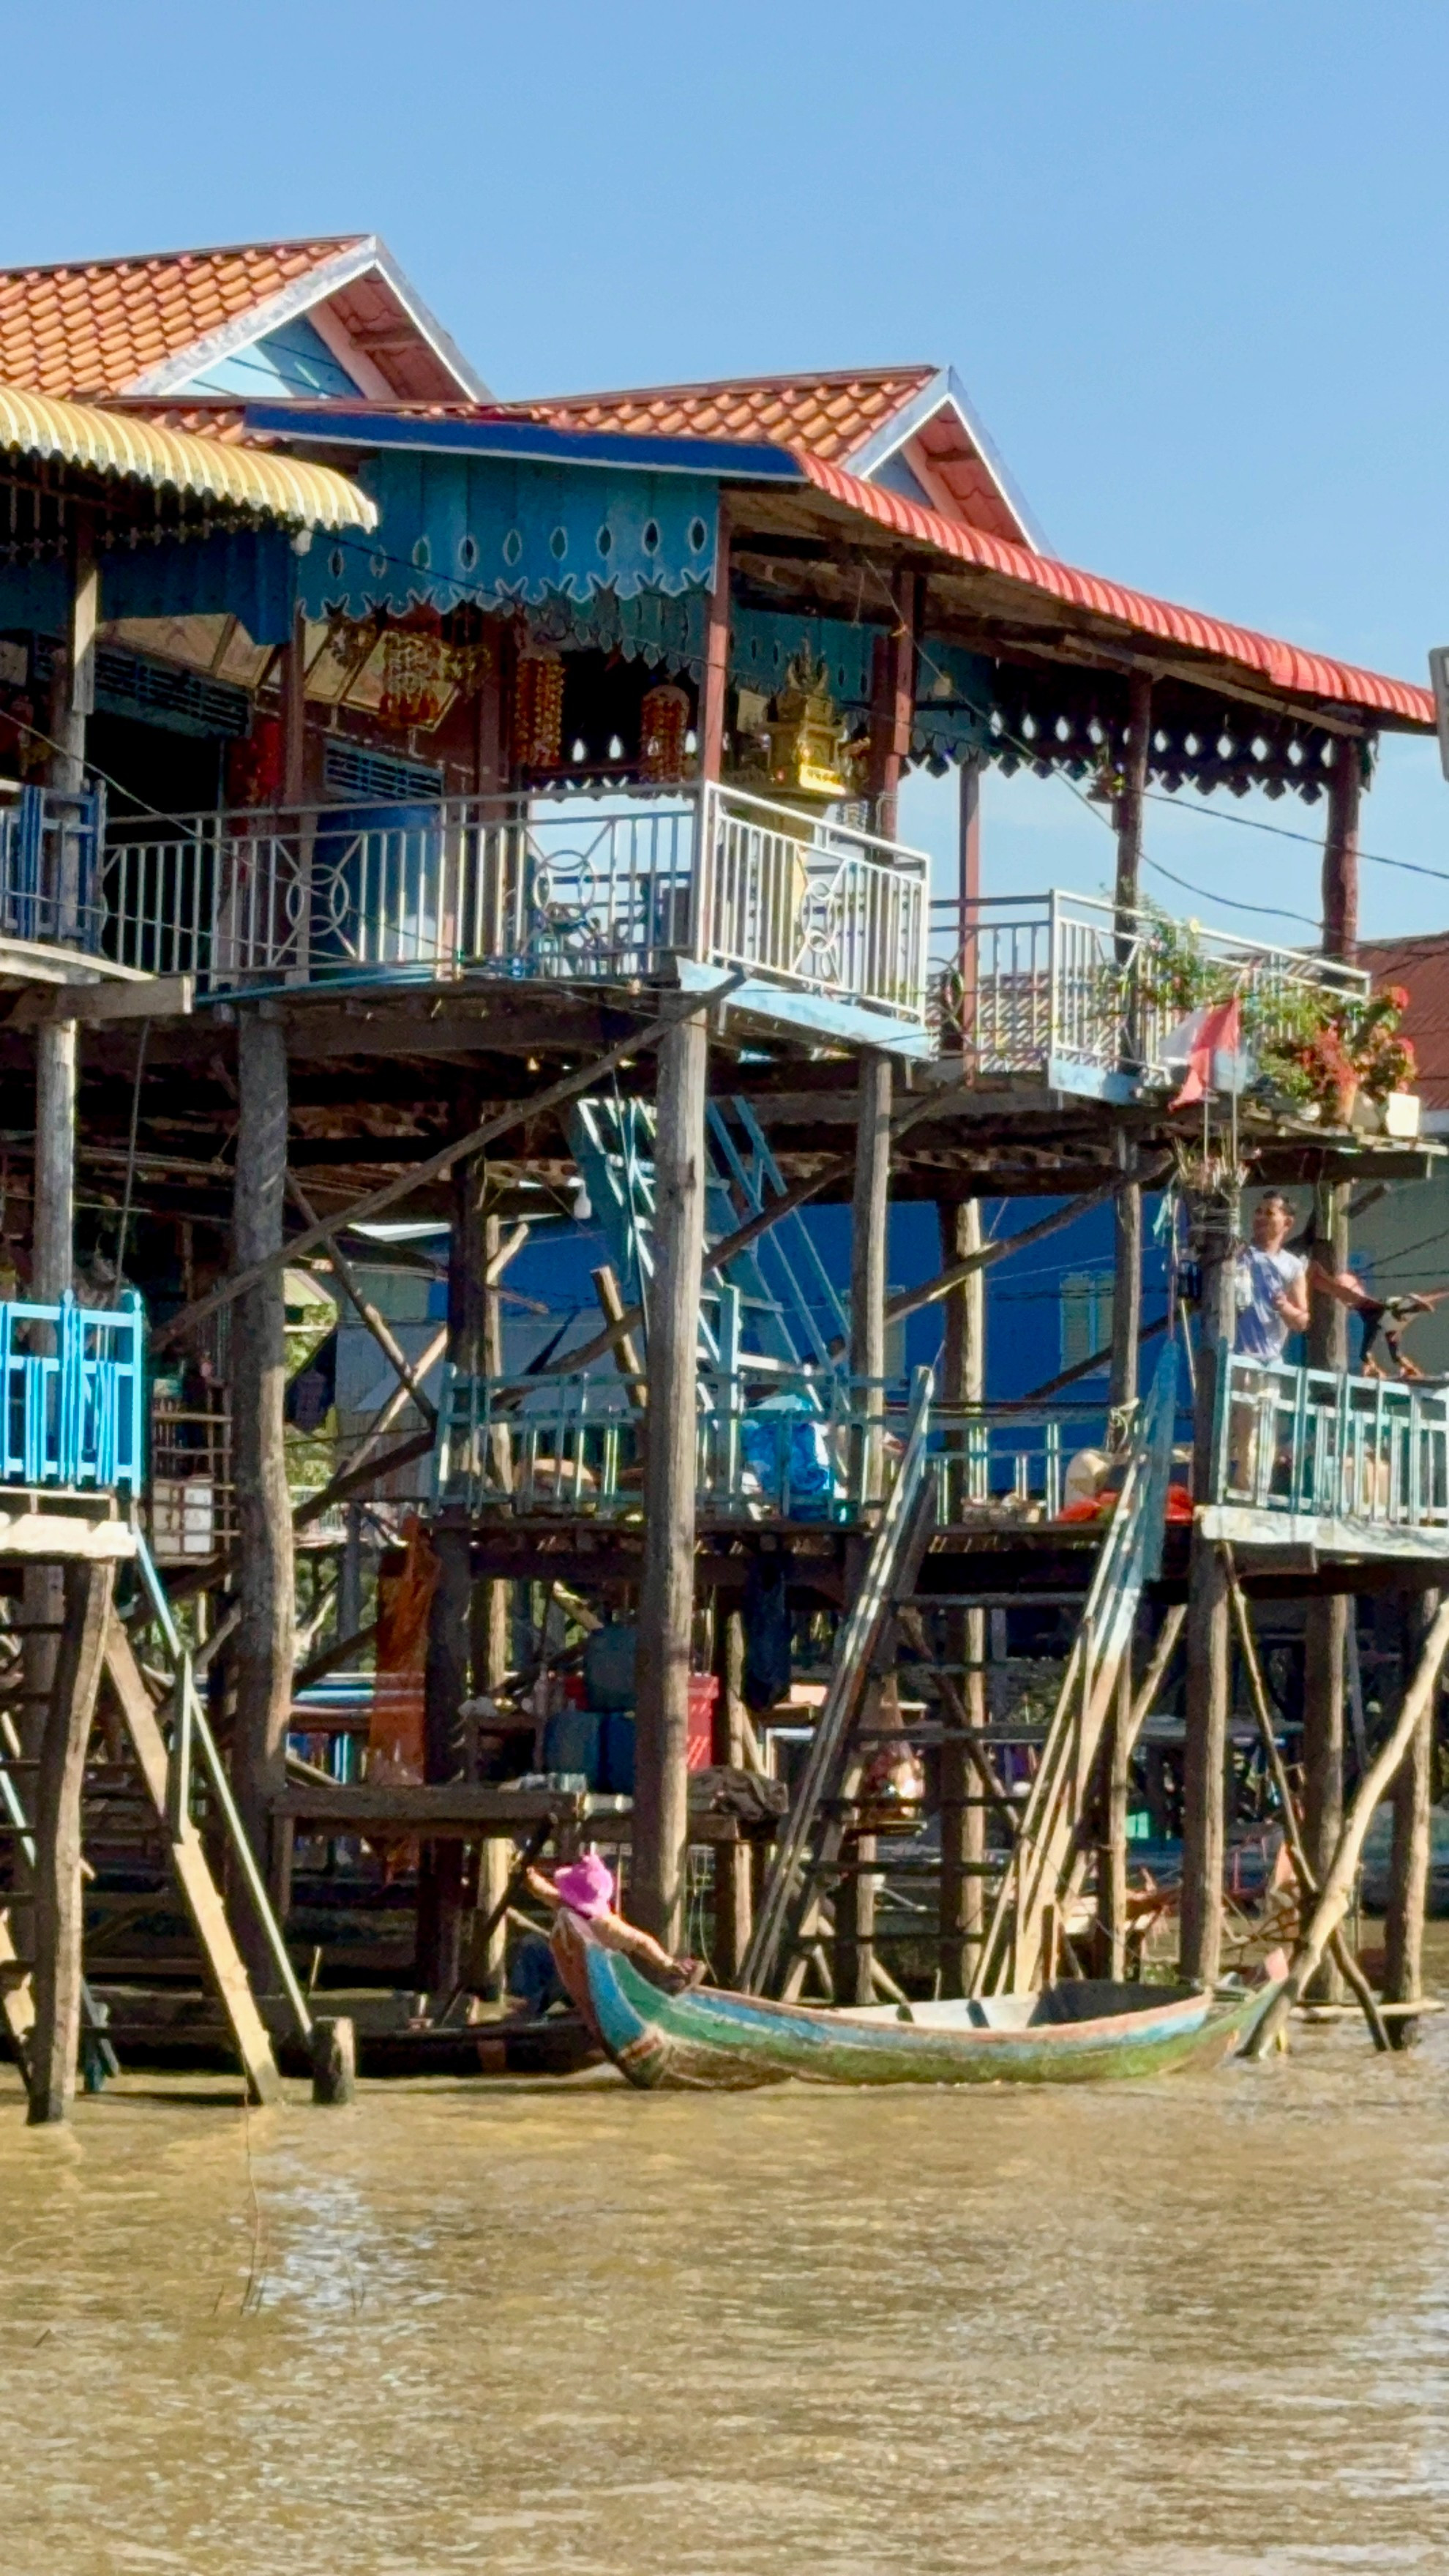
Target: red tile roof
(1422, 966)
(1285, 667)
(830, 415)
(93, 329)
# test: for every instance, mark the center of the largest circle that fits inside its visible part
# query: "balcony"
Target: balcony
(826, 924)
(1063, 992)
(773, 1445)
(1348, 1466)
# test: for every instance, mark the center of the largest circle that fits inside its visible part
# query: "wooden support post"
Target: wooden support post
(446, 1673)
(1209, 1631)
(1127, 1227)
(1135, 751)
(714, 680)
(73, 682)
(733, 1880)
(334, 2059)
(894, 700)
(1340, 852)
(1326, 1620)
(1337, 1888)
(492, 1601)
(968, 897)
(1112, 1853)
(963, 1816)
(52, 1270)
(1126, 1286)
(52, 1257)
(266, 1628)
(293, 674)
(1410, 1854)
(445, 1687)
(869, 1229)
(666, 1592)
(853, 1948)
(87, 1587)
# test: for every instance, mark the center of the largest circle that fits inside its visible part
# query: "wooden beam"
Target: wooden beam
(390, 1193)
(377, 1323)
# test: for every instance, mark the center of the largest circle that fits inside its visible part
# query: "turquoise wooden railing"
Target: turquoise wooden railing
(71, 1380)
(1371, 1450)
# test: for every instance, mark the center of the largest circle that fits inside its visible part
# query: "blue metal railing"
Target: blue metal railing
(771, 1443)
(1370, 1450)
(50, 855)
(71, 1381)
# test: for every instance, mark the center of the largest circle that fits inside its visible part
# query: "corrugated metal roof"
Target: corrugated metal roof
(1284, 667)
(104, 442)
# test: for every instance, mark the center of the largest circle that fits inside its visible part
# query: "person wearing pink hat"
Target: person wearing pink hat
(586, 1887)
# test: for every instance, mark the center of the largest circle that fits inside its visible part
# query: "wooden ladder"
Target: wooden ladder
(810, 1845)
(1049, 1855)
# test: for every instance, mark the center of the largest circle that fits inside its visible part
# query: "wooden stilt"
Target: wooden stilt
(963, 1816)
(1337, 1888)
(869, 1227)
(265, 1634)
(733, 1883)
(666, 1593)
(853, 1948)
(1126, 1289)
(445, 1687)
(334, 2060)
(1326, 1620)
(488, 1934)
(894, 699)
(87, 1590)
(294, 712)
(1410, 1852)
(1340, 853)
(1209, 1637)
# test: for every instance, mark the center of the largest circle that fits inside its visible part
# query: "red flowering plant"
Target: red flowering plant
(1320, 1050)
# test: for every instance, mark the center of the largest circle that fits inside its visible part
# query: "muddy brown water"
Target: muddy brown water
(1195, 2325)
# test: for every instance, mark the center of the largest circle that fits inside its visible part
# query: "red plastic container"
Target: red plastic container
(703, 1692)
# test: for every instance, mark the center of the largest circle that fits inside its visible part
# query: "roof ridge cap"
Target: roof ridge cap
(718, 384)
(205, 250)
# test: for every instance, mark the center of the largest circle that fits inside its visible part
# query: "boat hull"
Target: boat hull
(709, 2041)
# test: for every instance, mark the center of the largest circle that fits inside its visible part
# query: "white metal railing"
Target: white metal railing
(1020, 983)
(526, 888)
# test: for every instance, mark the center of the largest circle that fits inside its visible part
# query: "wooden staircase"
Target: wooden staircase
(152, 1766)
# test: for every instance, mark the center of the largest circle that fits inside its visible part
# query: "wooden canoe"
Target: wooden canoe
(1075, 2033)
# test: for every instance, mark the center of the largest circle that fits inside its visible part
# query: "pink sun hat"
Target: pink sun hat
(587, 1885)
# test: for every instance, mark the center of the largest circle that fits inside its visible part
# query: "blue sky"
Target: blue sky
(1187, 258)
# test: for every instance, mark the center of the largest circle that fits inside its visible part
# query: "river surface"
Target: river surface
(1196, 2325)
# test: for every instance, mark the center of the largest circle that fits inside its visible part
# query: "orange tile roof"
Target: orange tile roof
(830, 416)
(1422, 966)
(94, 329)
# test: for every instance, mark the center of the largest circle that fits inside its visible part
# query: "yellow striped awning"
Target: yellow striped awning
(108, 442)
